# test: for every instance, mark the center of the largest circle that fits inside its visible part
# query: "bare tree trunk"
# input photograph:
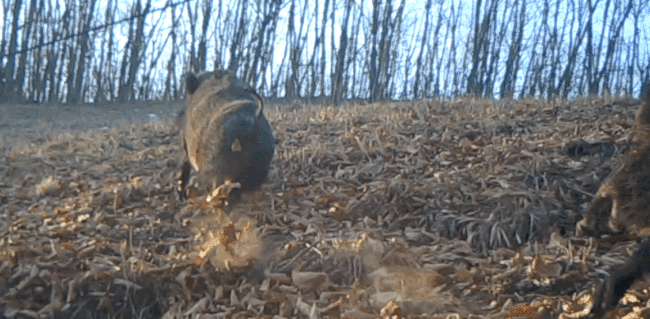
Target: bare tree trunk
(11, 54)
(37, 89)
(512, 63)
(478, 77)
(207, 11)
(98, 73)
(417, 90)
(19, 81)
(351, 79)
(295, 45)
(323, 58)
(638, 10)
(110, 74)
(50, 69)
(435, 69)
(135, 53)
(383, 54)
(565, 84)
(269, 20)
(311, 65)
(337, 77)
(323, 54)
(452, 78)
(554, 44)
(290, 83)
(87, 12)
(373, 69)
(3, 40)
(170, 81)
(277, 79)
(589, 50)
(194, 68)
(72, 55)
(394, 41)
(238, 36)
(614, 35)
(472, 85)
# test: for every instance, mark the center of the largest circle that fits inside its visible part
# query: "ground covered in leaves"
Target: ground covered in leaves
(455, 209)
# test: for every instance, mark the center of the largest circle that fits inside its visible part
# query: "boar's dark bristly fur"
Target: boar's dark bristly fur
(615, 207)
(225, 135)
(622, 205)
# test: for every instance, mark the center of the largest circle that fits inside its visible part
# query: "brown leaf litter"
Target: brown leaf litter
(456, 209)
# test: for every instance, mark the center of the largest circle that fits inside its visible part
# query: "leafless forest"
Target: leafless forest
(70, 51)
(449, 205)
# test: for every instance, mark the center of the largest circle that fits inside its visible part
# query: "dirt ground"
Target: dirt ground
(456, 209)
(30, 120)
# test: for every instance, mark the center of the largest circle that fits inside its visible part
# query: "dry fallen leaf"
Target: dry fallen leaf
(436, 209)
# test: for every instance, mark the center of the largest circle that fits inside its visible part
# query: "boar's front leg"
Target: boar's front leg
(614, 287)
(184, 174)
(183, 178)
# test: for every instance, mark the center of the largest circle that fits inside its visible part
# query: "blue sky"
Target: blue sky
(411, 36)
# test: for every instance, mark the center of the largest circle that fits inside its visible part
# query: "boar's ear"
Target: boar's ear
(192, 83)
(260, 105)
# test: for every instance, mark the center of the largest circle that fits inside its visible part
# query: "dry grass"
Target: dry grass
(440, 210)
